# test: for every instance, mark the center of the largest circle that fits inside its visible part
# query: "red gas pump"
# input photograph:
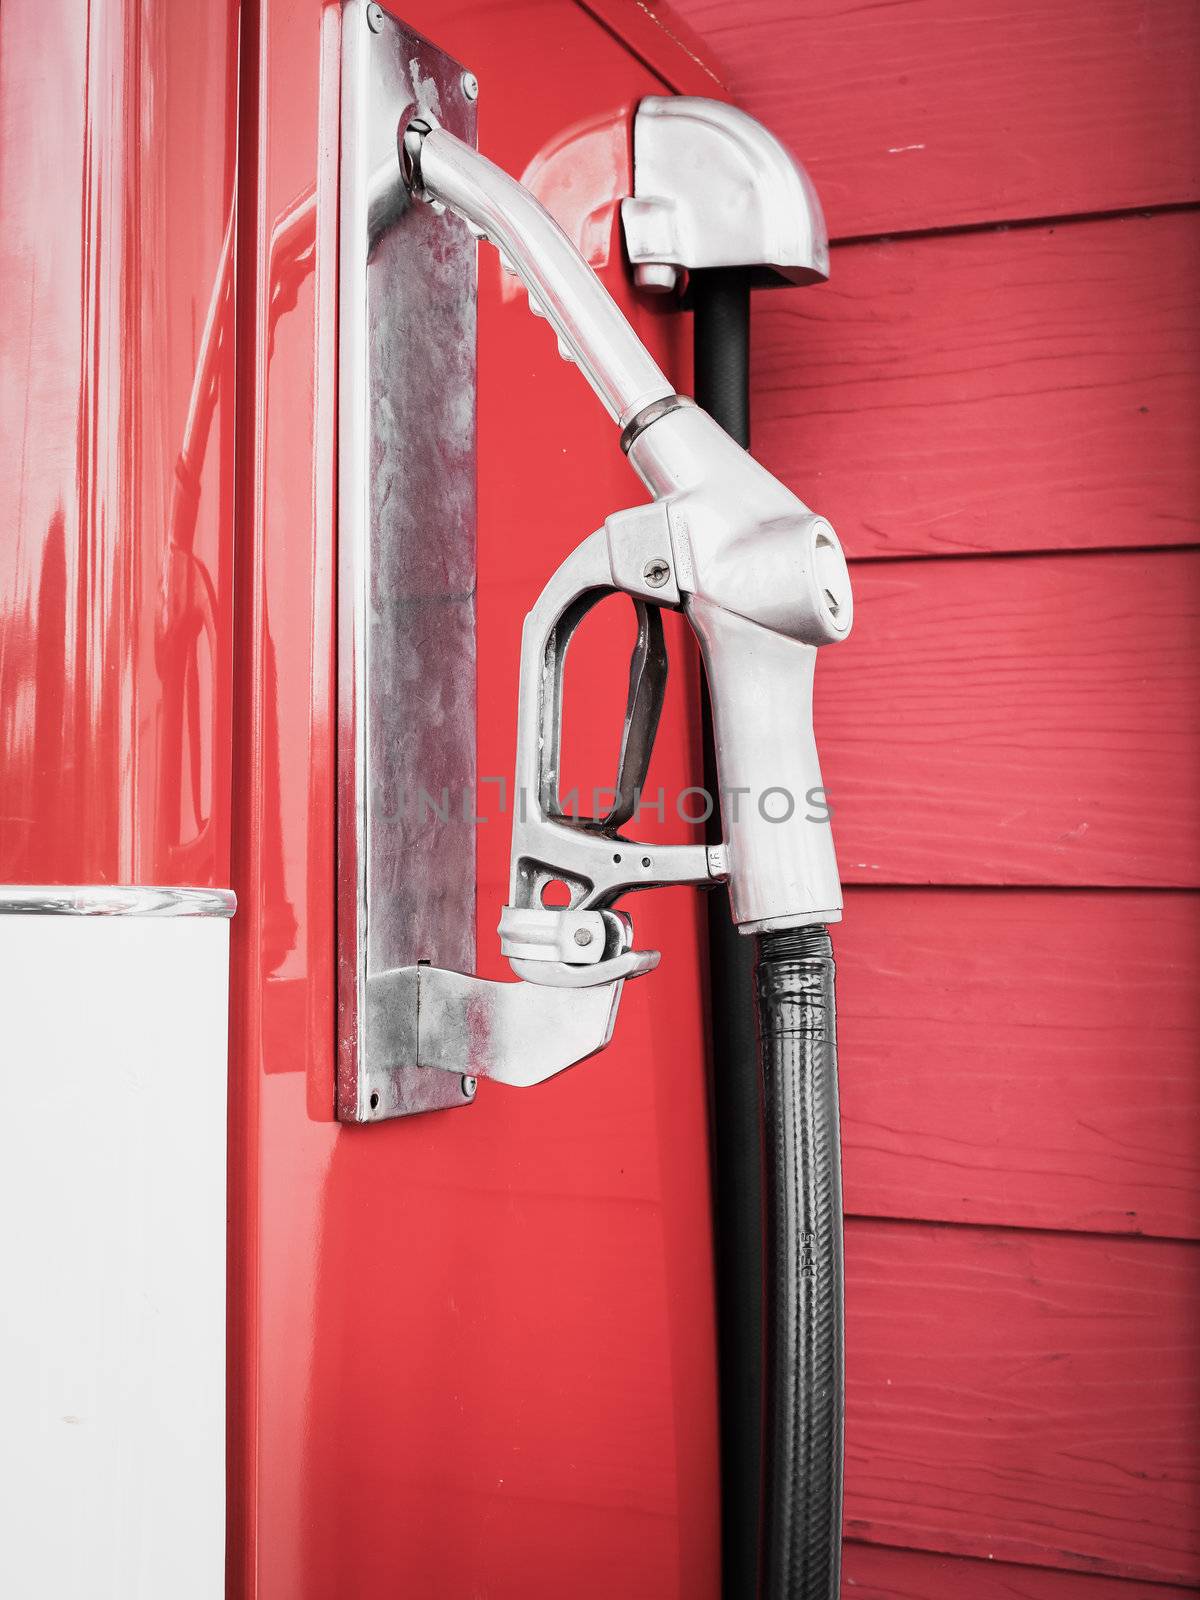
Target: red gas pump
(477, 1350)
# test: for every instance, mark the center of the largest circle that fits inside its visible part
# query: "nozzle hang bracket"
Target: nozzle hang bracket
(713, 188)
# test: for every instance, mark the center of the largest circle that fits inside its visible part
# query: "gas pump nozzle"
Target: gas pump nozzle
(760, 577)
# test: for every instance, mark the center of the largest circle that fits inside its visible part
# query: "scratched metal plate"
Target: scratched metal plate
(406, 558)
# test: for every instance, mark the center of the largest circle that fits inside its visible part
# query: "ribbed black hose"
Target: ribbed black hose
(780, 1494)
(721, 303)
(804, 1361)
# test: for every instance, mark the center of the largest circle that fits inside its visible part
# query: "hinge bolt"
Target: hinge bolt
(470, 86)
(656, 572)
(583, 936)
(375, 18)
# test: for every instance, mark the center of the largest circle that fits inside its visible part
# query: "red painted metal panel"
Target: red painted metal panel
(1032, 1397)
(1027, 721)
(934, 114)
(1022, 1057)
(884, 396)
(873, 1572)
(470, 1352)
(116, 441)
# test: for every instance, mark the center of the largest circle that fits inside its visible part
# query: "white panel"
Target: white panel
(113, 1052)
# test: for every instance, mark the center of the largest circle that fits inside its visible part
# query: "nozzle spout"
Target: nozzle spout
(561, 285)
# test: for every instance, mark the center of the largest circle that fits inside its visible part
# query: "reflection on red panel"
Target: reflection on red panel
(470, 1353)
(116, 440)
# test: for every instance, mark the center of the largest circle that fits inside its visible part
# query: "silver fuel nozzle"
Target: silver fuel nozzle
(760, 577)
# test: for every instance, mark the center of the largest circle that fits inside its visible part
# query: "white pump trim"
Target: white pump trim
(112, 1257)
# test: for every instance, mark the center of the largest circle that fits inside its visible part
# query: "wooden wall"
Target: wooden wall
(997, 401)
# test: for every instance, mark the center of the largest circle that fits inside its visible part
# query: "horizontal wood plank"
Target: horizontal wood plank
(873, 1573)
(933, 114)
(1018, 721)
(1029, 1397)
(1027, 390)
(1022, 1058)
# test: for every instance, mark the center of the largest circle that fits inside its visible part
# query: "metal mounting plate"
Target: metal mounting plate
(406, 566)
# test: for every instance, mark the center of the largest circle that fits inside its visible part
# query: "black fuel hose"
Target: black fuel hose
(804, 1379)
(720, 299)
(776, 1168)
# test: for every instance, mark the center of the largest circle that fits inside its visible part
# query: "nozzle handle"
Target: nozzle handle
(774, 816)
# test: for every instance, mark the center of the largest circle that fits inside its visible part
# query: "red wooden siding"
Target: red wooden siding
(932, 114)
(1028, 1396)
(885, 397)
(1003, 421)
(1078, 1107)
(875, 1572)
(1018, 721)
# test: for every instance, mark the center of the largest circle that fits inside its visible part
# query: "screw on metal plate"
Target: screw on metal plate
(583, 936)
(375, 18)
(656, 572)
(470, 85)
(469, 1086)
